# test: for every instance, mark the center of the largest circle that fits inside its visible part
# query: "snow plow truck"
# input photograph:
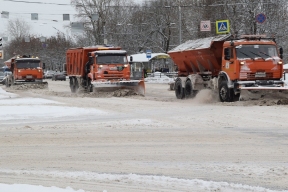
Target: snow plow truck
(229, 66)
(26, 70)
(103, 68)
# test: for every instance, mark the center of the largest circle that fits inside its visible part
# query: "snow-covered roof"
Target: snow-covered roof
(199, 43)
(111, 51)
(141, 57)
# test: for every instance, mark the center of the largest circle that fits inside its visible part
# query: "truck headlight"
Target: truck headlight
(126, 65)
(280, 62)
(19, 71)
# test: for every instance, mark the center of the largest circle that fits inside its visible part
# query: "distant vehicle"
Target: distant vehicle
(65, 73)
(2, 77)
(59, 76)
(49, 74)
(26, 69)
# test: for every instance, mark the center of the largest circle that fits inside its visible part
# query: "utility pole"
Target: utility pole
(180, 24)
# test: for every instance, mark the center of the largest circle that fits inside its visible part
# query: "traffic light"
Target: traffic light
(1, 54)
(1, 42)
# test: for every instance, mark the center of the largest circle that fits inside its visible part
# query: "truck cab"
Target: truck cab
(251, 62)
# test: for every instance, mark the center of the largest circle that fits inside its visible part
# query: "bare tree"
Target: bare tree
(18, 28)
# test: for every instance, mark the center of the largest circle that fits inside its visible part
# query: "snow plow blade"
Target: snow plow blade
(256, 93)
(25, 84)
(108, 86)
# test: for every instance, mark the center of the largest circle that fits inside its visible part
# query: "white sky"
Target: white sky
(47, 12)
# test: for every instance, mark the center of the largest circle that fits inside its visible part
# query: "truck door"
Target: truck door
(136, 71)
(228, 64)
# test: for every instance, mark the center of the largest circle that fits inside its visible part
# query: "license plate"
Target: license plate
(113, 68)
(260, 74)
(28, 76)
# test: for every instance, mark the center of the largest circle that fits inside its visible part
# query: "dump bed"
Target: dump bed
(199, 56)
(76, 58)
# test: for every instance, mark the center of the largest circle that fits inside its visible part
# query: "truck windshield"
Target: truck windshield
(256, 51)
(111, 59)
(25, 64)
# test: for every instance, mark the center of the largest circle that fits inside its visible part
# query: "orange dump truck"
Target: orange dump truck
(25, 70)
(228, 66)
(102, 68)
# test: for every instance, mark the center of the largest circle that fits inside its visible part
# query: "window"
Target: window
(256, 51)
(25, 64)
(111, 59)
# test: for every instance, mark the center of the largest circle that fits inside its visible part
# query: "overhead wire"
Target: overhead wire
(36, 2)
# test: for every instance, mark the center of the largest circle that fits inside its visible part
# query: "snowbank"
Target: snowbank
(32, 188)
(159, 77)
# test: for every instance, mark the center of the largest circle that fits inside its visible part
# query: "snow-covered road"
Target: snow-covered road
(135, 144)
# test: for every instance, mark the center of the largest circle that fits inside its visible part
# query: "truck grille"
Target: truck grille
(113, 76)
(252, 76)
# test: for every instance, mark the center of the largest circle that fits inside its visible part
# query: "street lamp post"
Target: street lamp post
(179, 22)
(180, 25)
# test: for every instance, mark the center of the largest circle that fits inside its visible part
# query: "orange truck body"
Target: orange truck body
(250, 62)
(101, 67)
(25, 69)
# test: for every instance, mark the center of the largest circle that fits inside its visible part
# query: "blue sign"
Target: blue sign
(222, 26)
(148, 54)
(260, 18)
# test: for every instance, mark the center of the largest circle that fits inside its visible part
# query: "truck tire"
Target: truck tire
(225, 94)
(189, 92)
(7, 82)
(89, 85)
(73, 84)
(179, 90)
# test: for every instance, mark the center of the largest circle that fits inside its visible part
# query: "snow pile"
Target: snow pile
(32, 188)
(31, 109)
(159, 77)
(5, 95)
(154, 181)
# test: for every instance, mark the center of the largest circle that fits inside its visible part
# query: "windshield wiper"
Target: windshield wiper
(269, 56)
(257, 55)
(246, 55)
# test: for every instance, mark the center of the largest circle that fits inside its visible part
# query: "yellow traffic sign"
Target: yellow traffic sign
(1, 54)
(222, 26)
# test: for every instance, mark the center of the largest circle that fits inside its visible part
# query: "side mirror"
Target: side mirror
(281, 52)
(131, 60)
(227, 54)
(43, 66)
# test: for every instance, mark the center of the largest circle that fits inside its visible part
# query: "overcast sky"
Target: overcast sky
(48, 10)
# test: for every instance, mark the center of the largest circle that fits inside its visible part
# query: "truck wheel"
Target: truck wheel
(189, 92)
(225, 94)
(73, 84)
(88, 86)
(7, 82)
(179, 90)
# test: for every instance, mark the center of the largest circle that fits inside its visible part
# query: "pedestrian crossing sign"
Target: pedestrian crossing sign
(222, 26)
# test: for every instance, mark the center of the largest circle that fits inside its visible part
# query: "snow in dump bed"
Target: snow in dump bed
(199, 43)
